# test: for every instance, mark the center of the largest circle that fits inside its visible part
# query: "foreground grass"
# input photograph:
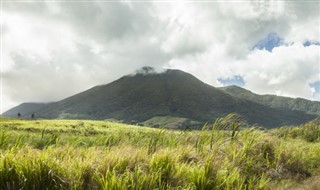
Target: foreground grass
(104, 155)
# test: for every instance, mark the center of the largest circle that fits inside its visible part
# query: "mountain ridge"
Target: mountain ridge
(140, 97)
(274, 101)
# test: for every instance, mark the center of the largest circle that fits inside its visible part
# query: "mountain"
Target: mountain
(279, 102)
(145, 95)
(25, 109)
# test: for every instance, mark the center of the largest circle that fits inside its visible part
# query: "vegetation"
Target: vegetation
(143, 97)
(273, 101)
(169, 122)
(73, 154)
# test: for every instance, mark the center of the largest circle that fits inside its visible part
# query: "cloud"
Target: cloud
(53, 50)
(287, 70)
(234, 29)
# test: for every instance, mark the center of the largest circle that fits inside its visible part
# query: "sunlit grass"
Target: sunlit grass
(72, 154)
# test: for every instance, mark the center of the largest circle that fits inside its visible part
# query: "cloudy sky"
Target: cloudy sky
(54, 49)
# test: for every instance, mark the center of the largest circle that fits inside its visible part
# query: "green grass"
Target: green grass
(73, 154)
(170, 122)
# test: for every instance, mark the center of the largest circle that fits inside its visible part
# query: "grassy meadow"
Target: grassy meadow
(74, 154)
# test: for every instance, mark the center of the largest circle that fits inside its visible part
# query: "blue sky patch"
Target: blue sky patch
(308, 43)
(235, 80)
(269, 42)
(316, 86)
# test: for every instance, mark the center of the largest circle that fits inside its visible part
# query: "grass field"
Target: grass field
(72, 154)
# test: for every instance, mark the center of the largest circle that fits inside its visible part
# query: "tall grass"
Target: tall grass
(105, 155)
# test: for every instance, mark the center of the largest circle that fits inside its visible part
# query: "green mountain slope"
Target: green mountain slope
(140, 97)
(143, 96)
(279, 102)
(25, 109)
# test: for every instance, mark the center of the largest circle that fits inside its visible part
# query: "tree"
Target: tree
(32, 116)
(19, 115)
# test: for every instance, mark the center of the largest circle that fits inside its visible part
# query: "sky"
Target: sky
(54, 49)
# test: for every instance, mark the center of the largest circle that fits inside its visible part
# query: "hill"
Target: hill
(144, 95)
(283, 103)
(25, 109)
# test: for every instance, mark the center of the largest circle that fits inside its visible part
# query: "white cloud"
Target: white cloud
(235, 29)
(34, 35)
(287, 70)
(73, 46)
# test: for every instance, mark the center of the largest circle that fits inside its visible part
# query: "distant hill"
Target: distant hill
(170, 122)
(283, 103)
(174, 93)
(25, 109)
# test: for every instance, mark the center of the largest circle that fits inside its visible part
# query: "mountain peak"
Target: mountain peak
(172, 92)
(146, 70)
(149, 73)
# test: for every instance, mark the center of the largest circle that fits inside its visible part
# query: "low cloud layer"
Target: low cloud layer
(51, 50)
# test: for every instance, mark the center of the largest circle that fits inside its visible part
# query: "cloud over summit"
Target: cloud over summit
(55, 49)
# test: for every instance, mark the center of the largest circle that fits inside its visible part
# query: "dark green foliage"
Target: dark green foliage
(24, 110)
(47, 139)
(9, 176)
(309, 131)
(283, 103)
(4, 137)
(154, 139)
(138, 98)
(163, 166)
(205, 177)
(32, 174)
